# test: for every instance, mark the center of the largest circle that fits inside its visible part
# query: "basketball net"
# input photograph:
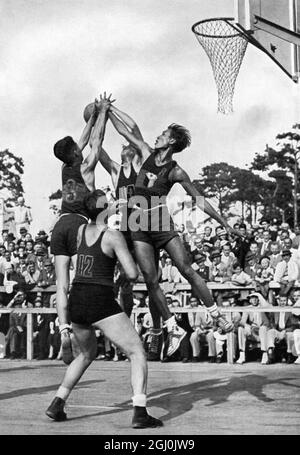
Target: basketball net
(225, 47)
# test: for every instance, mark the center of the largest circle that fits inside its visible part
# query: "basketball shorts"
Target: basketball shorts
(64, 235)
(89, 303)
(156, 227)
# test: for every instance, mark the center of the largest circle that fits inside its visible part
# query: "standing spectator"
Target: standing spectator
(4, 241)
(22, 214)
(286, 273)
(254, 326)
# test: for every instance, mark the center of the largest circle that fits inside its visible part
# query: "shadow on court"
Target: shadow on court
(44, 389)
(181, 399)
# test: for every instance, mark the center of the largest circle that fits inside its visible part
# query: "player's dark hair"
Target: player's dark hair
(95, 203)
(64, 150)
(182, 137)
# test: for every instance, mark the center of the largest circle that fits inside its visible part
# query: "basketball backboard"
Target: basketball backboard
(266, 22)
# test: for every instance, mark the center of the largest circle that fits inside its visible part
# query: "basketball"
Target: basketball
(88, 111)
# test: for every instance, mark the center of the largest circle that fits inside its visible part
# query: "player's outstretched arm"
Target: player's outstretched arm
(97, 135)
(120, 248)
(85, 136)
(128, 121)
(178, 175)
(111, 166)
(130, 136)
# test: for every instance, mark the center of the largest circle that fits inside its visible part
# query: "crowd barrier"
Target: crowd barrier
(141, 287)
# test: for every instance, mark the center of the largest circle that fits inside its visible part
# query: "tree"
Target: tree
(250, 190)
(11, 171)
(217, 181)
(286, 159)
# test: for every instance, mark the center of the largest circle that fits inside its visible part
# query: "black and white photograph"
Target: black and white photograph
(150, 220)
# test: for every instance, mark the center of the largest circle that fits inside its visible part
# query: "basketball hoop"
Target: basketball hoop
(225, 46)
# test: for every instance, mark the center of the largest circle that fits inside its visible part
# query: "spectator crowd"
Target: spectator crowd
(263, 262)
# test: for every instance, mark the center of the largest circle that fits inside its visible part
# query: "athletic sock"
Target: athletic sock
(139, 400)
(213, 310)
(156, 331)
(169, 323)
(63, 327)
(63, 393)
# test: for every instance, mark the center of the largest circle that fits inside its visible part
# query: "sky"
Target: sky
(58, 55)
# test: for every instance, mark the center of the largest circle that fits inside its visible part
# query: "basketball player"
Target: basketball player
(123, 177)
(159, 172)
(92, 304)
(78, 179)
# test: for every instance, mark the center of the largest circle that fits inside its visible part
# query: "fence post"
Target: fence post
(29, 337)
(230, 342)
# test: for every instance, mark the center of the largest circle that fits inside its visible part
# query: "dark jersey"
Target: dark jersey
(153, 180)
(74, 190)
(125, 190)
(125, 185)
(93, 265)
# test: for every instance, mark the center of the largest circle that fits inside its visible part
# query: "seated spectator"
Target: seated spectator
(253, 326)
(218, 271)
(274, 256)
(286, 273)
(13, 274)
(40, 259)
(202, 325)
(252, 266)
(283, 326)
(200, 267)
(16, 335)
(254, 249)
(263, 277)
(264, 246)
(227, 257)
(220, 337)
(30, 251)
(47, 274)
(295, 253)
(239, 277)
(41, 331)
(31, 274)
(207, 234)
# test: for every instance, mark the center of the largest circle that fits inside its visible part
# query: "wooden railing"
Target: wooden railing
(228, 311)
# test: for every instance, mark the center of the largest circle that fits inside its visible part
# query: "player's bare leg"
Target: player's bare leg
(179, 256)
(62, 269)
(146, 258)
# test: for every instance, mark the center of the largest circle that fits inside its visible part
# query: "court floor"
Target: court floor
(191, 399)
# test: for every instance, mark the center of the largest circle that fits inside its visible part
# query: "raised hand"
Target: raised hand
(105, 101)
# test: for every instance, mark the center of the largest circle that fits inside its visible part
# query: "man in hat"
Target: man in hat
(254, 326)
(22, 233)
(78, 180)
(286, 273)
(199, 265)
